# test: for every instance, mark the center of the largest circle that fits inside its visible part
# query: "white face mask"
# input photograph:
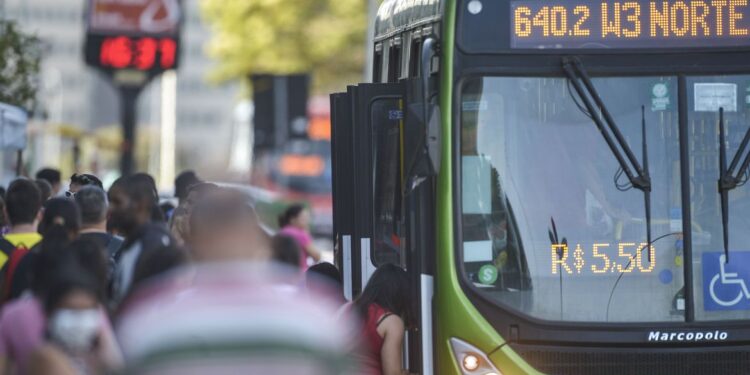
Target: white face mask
(75, 329)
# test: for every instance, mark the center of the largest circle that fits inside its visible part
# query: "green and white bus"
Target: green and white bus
(563, 180)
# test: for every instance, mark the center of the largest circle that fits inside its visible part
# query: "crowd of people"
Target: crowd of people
(98, 282)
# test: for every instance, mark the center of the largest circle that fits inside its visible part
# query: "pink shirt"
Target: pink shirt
(303, 239)
(22, 326)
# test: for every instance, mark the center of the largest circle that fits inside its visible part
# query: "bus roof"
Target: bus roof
(395, 16)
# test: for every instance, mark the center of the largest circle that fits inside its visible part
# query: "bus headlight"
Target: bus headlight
(472, 360)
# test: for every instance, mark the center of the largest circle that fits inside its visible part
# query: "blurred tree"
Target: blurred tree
(19, 66)
(324, 37)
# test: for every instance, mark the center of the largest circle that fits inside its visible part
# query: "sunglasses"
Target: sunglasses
(70, 194)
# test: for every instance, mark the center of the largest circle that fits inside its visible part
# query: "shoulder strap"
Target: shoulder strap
(382, 318)
(113, 246)
(6, 247)
(12, 265)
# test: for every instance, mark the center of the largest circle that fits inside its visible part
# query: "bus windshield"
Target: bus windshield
(552, 228)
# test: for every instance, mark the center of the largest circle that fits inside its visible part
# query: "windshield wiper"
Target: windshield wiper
(638, 175)
(728, 180)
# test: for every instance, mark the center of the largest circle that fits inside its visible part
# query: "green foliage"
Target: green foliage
(325, 37)
(20, 59)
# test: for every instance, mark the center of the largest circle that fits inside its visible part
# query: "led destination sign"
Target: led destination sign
(588, 24)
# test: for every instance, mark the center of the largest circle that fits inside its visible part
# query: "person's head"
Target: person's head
(61, 220)
(92, 201)
(23, 202)
(224, 226)
(78, 181)
(132, 201)
(183, 182)
(296, 215)
(324, 271)
(72, 307)
(196, 192)
(44, 188)
(387, 287)
(52, 176)
(286, 250)
(325, 275)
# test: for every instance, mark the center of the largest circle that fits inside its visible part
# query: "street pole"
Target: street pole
(128, 101)
(168, 128)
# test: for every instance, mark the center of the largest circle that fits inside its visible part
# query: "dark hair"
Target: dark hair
(91, 257)
(286, 250)
(290, 213)
(23, 201)
(85, 179)
(328, 275)
(92, 202)
(140, 188)
(183, 182)
(68, 279)
(387, 287)
(61, 219)
(326, 270)
(3, 216)
(50, 175)
(156, 213)
(44, 188)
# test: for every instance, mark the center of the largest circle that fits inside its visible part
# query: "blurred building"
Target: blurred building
(77, 96)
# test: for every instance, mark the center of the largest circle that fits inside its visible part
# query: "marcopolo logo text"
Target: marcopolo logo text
(657, 336)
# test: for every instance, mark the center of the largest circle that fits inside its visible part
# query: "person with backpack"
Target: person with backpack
(22, 321)
(59, 226)
(23, 203)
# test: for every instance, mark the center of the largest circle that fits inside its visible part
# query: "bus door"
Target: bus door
(342, 163)
(365, 145)
(383, 210)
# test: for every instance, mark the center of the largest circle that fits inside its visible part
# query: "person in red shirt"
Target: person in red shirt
(383, 306)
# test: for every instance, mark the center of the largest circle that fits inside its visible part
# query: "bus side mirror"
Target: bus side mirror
(433, 137)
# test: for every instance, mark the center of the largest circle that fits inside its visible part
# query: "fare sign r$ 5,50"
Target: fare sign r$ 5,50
(602, 258)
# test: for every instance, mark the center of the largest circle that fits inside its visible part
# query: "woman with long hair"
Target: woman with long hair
(383, 307)
(295, 222)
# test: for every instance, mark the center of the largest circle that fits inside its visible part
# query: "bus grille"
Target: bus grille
(595, 361)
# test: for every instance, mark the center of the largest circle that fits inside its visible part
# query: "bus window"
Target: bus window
(414, 57)
(387, 182)
(377, 66)
(394, 64)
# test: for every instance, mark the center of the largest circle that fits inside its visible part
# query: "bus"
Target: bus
(563, 180)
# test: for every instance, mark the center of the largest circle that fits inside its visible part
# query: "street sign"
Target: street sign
(13, 123)
(134, 17)
(132, 41)
(135, 35)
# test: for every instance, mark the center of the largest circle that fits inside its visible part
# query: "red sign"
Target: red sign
(142, 54)
(134, 17)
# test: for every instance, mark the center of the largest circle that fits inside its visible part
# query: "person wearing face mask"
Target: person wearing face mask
(23, 322)
(75, 328)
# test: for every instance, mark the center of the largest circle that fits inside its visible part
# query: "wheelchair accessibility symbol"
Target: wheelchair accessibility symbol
(725, 284)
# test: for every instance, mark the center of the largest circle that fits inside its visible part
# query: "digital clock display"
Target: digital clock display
(629, 24)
